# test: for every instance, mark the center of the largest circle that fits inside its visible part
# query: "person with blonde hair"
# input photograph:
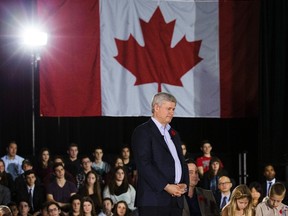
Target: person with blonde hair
(240, 202)
(272, 205)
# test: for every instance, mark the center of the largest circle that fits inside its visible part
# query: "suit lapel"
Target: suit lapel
(157, 134)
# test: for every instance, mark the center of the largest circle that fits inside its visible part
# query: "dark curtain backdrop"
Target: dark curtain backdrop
(273, 130)
(262, 138)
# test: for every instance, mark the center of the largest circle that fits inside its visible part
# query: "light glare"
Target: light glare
(33, 37)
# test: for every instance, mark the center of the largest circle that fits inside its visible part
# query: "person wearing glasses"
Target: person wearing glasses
(223, 195)
(53, 209)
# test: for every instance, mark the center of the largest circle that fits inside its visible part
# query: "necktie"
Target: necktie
(269, 186)
(31, 198)
(224, 202)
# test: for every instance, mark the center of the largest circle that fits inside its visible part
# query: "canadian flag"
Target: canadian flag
(109, 57)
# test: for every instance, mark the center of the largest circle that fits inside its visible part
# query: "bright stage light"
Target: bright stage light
(34, 37)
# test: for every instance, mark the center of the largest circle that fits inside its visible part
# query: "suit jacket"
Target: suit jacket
(38, 196)
(218, 197)
(206, 201)
(155, 165)
(5, 195)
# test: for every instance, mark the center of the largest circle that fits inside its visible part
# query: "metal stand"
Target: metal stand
(242, 160)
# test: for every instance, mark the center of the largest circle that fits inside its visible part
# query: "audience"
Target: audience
(12, 161)
(6, 179)
(60, 190)
(121, 209)
(13, 208)
(203, 161)
(72, 163)
(211, 177)
(53, 209)
(223, 195)
(256, 192)
(24, 208)
(100, 185)
(86, 167)
(101, 167)
(107, 206)
(5, 195)
(119, 189)
(92, 189)
(31, 192)
(187, 155)
(269, 175)
(272, 205)
(75, 205)
(240, 202)
(130, 165)
(198, 202)
(88, 208)
(44, 165)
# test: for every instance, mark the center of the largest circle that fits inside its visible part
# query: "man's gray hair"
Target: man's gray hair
(161, 97)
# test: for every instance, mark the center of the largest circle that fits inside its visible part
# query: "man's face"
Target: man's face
(224, 184)
(107, 206)
(73, 152)
(59, 172)
(98, 153)
(76, 205)
(164, 113)
(206, 148)
(269, 173)
(86, 164)
(125, 153)
(193, 174)
(26, 167)
(12, 149)
(53, 210)
(30, 179)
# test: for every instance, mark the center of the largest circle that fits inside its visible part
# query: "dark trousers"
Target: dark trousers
(172, 210)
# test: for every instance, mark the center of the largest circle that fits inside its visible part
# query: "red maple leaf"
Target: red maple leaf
(157, 61)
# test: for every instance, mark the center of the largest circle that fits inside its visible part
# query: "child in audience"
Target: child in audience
(240, 202)
(272, 205)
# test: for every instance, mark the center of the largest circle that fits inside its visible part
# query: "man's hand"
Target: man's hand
(176, 190)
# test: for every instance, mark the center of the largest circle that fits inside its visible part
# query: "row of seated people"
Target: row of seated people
(199, 201)
(46, 174)
(79, 206)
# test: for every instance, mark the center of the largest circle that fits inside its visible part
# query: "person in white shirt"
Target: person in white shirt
(13, 162)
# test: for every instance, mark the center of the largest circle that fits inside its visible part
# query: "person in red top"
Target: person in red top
(203, 161)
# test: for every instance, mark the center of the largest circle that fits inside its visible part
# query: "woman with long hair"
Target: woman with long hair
(119, 189)
(92, 189)
(240, 202)
(210, 178)
(87, 206)
(44, 165)
(121, 209)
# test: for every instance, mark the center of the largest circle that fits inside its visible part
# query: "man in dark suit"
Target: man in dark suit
(162, 173)
(33, 193)
(5, 195)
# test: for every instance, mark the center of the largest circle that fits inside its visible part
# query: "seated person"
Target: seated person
(198, 201)
(272, 205)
